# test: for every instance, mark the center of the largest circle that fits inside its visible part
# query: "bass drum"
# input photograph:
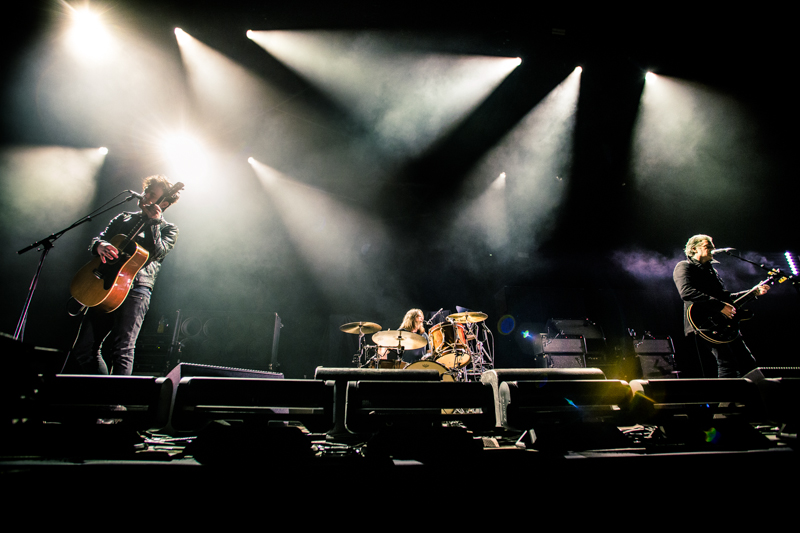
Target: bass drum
(454, 358)
(389, 364)
(443, 375)
(432, 365)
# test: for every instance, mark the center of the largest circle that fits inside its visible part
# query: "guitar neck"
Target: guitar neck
(132, 234)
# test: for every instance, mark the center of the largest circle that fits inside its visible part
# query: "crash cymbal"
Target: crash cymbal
(468, 316)
(395, 338)
(364, 328)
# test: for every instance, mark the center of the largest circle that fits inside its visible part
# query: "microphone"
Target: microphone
(135, 194)
(430, 320)
(716, 251)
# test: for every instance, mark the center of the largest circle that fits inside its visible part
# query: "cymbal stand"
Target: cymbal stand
(362, 352)
(482, 359)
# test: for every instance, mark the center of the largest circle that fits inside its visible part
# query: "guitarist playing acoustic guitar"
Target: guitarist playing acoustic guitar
(116, 327)
(700, 286)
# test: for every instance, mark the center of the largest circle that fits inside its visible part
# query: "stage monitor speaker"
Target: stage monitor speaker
(560, 327)
(200, 400)
(654, 346)
(561, 353)
(497, 376)
(780, 390)
(340, 377)
(377, 405)
(85, 399)
(660, 366)
(565, 361)
(666, 399)
(572, 415)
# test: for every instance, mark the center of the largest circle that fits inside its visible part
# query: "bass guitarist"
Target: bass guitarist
(699, 283)
(116, 332)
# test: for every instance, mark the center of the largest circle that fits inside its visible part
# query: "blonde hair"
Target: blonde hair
(408, 320)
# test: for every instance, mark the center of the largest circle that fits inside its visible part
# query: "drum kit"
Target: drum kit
(457, 348)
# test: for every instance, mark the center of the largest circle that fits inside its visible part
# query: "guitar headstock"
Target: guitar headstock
(775, 275)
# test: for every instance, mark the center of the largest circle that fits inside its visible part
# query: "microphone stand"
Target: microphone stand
(772, 271)
(46, 245)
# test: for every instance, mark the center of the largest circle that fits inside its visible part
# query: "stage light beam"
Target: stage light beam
(407, 99)
(513, 211)
(338, 242)
(693, 147)
(88, 38)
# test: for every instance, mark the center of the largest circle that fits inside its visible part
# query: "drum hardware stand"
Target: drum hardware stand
(362, 329)
(363, 354)
(482, 359)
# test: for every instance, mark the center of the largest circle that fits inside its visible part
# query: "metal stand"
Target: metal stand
(46, 245)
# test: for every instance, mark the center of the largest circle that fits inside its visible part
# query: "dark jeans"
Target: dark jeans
(113, 334)
(734, 359)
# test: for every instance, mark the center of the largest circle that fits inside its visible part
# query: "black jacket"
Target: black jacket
(699, 282)
(157, 237)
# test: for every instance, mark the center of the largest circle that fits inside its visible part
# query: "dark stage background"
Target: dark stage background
(387, 177)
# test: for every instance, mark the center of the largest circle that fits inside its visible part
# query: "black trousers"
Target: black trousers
(111, 337)
(733, 359)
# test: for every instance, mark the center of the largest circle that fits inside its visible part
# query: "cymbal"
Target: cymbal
(468, 316)
(395, 339)
(364, 328)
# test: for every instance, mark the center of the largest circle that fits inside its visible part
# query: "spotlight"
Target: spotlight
(499, 182)
(251, 160)
(103, 150)
(181, 36)
(88, 37)
(649, 76)
(579, 69)
(249, 34)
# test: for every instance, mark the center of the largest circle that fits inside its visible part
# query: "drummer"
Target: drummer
(414, 321)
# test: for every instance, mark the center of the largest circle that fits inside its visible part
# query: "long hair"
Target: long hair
(408, 320)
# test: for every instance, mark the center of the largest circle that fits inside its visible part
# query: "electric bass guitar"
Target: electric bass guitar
(106, 285)
(713, 326)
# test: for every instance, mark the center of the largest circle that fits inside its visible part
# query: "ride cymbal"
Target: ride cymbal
(396, 339)
(363, 328)
(468, 316)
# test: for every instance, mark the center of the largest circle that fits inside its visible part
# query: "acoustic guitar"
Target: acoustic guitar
(708, 322)
(106, 285)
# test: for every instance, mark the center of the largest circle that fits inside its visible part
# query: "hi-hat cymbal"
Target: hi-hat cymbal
(468, 316)
(396, 339)
(363, 328)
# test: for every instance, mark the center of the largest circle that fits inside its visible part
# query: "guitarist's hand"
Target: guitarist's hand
(107, 251)
(152, 211)
(728, 310)
(762, 289)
